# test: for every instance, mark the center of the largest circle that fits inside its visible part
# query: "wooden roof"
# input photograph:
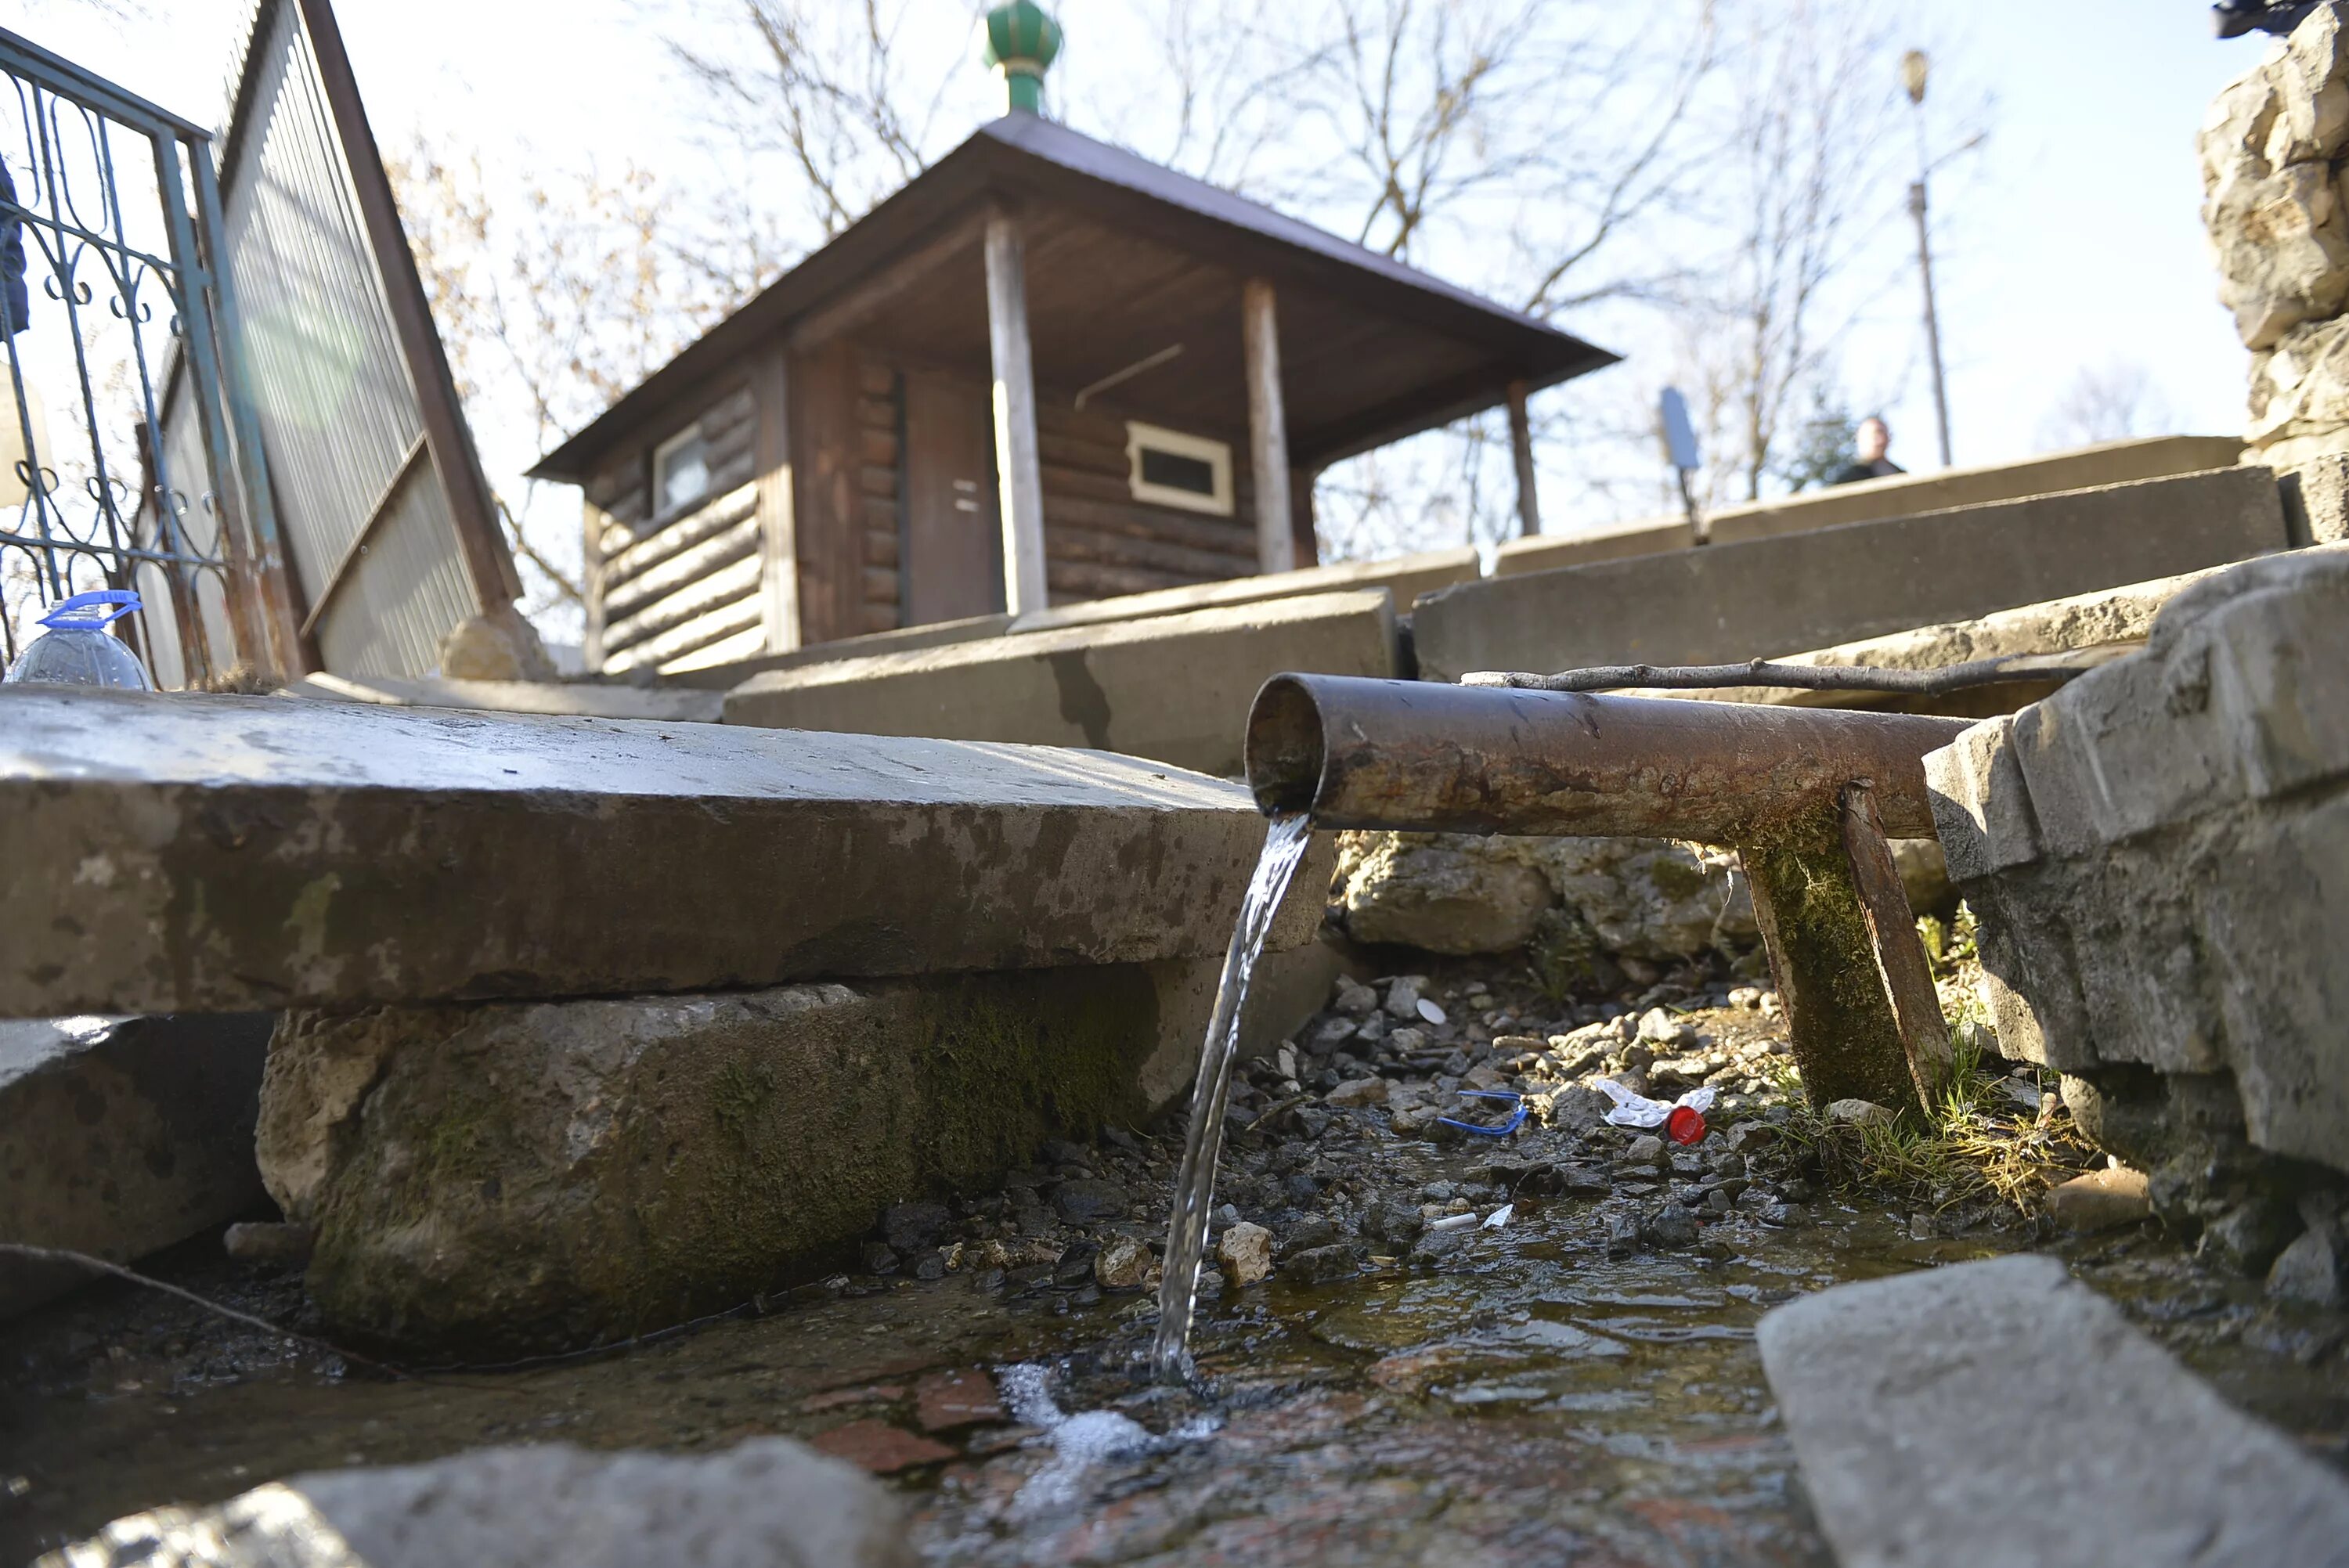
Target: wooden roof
(1125, 258)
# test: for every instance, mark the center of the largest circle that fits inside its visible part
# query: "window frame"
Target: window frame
(1216, 454)
(661, 509)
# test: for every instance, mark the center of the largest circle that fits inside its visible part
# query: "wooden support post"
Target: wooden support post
(593, 521)
(1019, 469)
(779, 556)
(1521, 448)
(1275, 545)
(1900, 961)
(1845, 1036)
(1301, 515)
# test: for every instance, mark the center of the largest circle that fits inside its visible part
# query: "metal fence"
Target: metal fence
(119, 336)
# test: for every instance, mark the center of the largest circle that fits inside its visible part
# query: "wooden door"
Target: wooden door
(953, 562)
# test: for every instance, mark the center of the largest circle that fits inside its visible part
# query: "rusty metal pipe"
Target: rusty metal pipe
(1417, 755)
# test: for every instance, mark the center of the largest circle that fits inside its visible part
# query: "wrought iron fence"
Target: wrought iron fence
(128, 457)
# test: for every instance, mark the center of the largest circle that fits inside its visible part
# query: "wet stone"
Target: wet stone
(1088, 1199)
(1671, 1226)
(880, 1448)
(2249, 1238)
(2313, 1271)
(1244, 1251)
(1123, 1263)
(1320, 1265)
(1647, 1150)
(879, 1258)
(914, 1227)
(965, 1396)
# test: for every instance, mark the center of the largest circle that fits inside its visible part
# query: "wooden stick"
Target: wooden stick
(1900, 951)
(2053, 668)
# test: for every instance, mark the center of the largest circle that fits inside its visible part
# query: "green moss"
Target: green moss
(1676, 877)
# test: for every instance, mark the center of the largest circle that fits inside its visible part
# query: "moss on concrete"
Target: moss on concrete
(530, 1178)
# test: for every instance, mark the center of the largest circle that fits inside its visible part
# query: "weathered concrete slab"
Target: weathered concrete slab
(771, 1501)
(1404, 578)
(588, 699)
(2107, 623)
(495, 1178)
(2158, 853)
(1175, 688)
(1903, 495)
(1738, 600)
(214, 853)
(2001, 1412)
(120, 1136)
(1549, 552)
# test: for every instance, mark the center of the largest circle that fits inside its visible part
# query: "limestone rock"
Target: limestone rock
(1123, 1263)
(496, 645)
(771, 1501)
(1320, 1265)
(2313, 1271)
(120, 1136)
(509, 1177)
(1244, 1251)
(2101, 1200)
(1648, 899)
(1355, 1093)
(1859, 1113)
(2283, 256)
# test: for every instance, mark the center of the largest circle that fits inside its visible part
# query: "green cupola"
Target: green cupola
(1022, 41)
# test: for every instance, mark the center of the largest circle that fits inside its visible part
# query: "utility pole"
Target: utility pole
(1912, 77)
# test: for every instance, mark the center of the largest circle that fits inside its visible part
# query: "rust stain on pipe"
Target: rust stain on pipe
(1419, 755)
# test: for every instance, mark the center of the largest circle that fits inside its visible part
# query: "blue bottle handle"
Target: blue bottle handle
(80, 610)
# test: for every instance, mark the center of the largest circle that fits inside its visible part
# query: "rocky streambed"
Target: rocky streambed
(1388, 1373)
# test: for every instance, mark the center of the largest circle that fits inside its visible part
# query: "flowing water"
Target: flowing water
(1195, 1184)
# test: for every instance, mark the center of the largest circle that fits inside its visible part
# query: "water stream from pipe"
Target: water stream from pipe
(1194, 1183)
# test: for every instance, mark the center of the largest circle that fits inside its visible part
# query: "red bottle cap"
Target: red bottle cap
(1685, 1126)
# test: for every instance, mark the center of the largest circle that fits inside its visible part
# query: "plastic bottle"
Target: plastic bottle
(79, 650)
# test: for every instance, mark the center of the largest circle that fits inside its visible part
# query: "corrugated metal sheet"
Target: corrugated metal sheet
(369, 533)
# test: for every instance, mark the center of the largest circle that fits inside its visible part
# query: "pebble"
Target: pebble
(1857, 1113)
(1671, 1226)
(1088, 1198)
(1355, 1093)
(1244, 1251)
(1647, 1150)
(1659, 1027)
(2101, 1200)
(1355, 999)
(1402, 995)
(1123, 1263)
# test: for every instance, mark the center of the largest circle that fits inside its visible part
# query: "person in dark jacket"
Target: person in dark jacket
(1875, 439)
(11, 258)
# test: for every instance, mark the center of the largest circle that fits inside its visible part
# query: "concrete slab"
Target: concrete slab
(1404, 577)
(228, 854)
(1730, 602)
(121, 1136)
(1175, 688)
(1903, 495)
(578, 698)
(2002, 1412)
(1550, 552)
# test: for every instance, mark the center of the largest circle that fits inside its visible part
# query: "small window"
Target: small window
(1174, 469)
(680, 471)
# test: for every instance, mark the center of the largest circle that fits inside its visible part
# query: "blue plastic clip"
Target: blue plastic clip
(1515, 1121)
(98, 607)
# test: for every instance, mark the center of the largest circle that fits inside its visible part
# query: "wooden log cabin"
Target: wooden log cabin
(1045, 370)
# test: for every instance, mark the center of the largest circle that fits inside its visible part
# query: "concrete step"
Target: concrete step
(1872, 500)
(173, 852)
(1173, 687)
(1755, 598)
(2003, 1413)
(121, 1136)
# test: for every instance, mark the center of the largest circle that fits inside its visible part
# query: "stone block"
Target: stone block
(499, 1179)
(120, 1136)
(2101, 1200)
(1902, 495)
(2002, 1412)
(217, 853)
(2187, 907)
(1403, 577)
(1732, 602)
(1174, 688)
(591, 699)
(770, 1502)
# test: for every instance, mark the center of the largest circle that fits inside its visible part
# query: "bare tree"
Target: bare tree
(2111, 402)
(829, 86)
(555, 301)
